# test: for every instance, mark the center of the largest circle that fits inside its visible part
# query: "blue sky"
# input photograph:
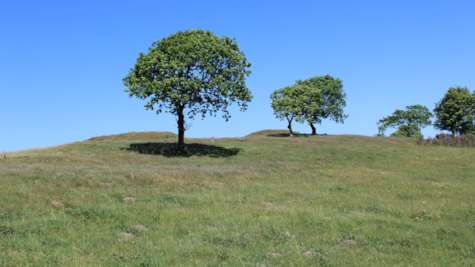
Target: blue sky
(62, 62)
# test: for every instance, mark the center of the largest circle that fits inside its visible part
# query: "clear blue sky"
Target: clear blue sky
(62, 62)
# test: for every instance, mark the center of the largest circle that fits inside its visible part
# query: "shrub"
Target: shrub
(449, 140)
(408, 131)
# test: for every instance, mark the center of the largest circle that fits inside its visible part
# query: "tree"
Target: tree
(455, 112)
(282, 104)
(318, 98)
(472, 130)
(409, 122)
(189, 73)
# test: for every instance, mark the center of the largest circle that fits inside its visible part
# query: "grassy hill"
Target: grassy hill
(352, 200)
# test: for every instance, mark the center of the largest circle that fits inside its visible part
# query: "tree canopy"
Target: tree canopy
(311, 101)
(409, 122)
(191, 73)
(455, 112)
(283, 106)
(318, 98)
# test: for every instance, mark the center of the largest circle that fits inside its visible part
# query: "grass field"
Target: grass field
(353, 200)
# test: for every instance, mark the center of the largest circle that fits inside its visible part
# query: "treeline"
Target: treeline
(322, 97)
(455, 113)
(196, 73)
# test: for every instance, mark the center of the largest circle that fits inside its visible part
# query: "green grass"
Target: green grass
(404, 204)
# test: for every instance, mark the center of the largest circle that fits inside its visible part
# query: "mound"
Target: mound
(135, 136)
(272, 132)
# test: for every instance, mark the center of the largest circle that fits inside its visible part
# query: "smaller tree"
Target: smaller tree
(472, 130)
(284, 106)
(408, 122)
(318, 98)
(455, 112)
(381, 130)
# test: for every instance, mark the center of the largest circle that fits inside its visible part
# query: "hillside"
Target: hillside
(350, 200)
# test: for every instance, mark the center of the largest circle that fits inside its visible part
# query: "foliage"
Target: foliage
(322, 98)
(191, 73)
(408, 131)
(381, 130)
(455, 112)
(409, 122)
(472, 130)
(312, 100)
(283, 106)
(449, 140)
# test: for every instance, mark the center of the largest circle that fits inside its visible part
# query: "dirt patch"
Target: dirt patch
(108, 184)
(57, 204)
(273, 255)
(140, 227)
(129, 199)
(126, 235)
(349, 242)
(310, 253)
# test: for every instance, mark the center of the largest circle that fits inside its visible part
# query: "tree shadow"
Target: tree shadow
(169, 150)
(288, 135)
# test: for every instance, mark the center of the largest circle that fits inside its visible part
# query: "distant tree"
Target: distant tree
(189, 73)
(472, 130)
(318, 98)
(455, 112)
(381, 130)
(409, 122)
(284, 106)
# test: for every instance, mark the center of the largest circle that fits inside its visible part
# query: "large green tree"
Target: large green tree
(318, 98)
(191, 73)
(408, 122)
(455, 112)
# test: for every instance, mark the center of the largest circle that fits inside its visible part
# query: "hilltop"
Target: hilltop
(348, 199)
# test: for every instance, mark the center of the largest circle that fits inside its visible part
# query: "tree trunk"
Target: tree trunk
(290, 125)
(290, 128)
(314, 130)
(181, 131)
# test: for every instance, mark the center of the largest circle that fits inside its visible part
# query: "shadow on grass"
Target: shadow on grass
(288, 135)
(169, 150)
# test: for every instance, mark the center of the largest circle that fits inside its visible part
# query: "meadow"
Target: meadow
(350, 200)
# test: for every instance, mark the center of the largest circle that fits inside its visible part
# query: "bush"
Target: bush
(448, 140)
(408, 131)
